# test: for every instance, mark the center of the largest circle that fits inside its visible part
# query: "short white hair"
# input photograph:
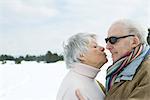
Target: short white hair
(75, 46)
(134, 28)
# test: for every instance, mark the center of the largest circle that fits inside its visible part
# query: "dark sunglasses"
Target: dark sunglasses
(114, 39)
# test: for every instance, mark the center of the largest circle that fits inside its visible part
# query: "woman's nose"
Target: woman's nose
(101, 48)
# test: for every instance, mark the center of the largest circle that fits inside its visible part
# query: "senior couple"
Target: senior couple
(128, 78)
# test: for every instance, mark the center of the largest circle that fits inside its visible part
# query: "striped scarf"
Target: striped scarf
(117, 67)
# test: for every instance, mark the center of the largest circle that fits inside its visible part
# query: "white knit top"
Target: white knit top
(82, 77)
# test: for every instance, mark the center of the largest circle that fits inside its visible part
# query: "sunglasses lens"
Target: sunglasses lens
(112, 40)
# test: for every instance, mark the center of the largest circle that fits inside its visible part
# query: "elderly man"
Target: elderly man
(129, 75)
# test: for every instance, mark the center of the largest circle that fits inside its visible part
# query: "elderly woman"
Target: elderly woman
(84, 57)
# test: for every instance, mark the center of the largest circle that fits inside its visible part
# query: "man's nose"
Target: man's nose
(108, 46)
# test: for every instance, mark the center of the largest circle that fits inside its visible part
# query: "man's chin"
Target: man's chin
(114, 59)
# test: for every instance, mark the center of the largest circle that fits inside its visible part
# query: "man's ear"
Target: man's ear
(135, 41)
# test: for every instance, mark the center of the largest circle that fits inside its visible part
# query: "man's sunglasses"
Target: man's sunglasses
(114, 39)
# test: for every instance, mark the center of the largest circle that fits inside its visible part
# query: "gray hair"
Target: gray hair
(76, 45)
(134, 29)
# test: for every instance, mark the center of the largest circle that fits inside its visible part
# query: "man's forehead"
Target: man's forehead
(117, 30)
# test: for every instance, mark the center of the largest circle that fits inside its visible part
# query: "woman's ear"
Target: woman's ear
(82, 57)
(135, 41)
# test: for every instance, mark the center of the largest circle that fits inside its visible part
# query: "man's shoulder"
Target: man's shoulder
(144, 68)
(146, 63)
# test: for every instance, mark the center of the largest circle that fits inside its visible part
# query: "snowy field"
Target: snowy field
(33, 81)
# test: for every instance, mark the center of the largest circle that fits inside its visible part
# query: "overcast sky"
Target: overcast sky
(36, 26)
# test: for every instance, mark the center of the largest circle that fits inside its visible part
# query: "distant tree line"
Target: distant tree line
(49, 57)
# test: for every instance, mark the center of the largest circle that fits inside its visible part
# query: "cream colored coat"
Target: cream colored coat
(80, 77)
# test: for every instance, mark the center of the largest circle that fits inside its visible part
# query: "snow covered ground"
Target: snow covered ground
(33, 81)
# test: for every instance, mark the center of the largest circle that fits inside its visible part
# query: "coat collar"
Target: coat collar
(85, 70)
(129, 72)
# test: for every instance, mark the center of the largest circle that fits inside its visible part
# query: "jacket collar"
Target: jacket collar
(129, 72)
(85, 70)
